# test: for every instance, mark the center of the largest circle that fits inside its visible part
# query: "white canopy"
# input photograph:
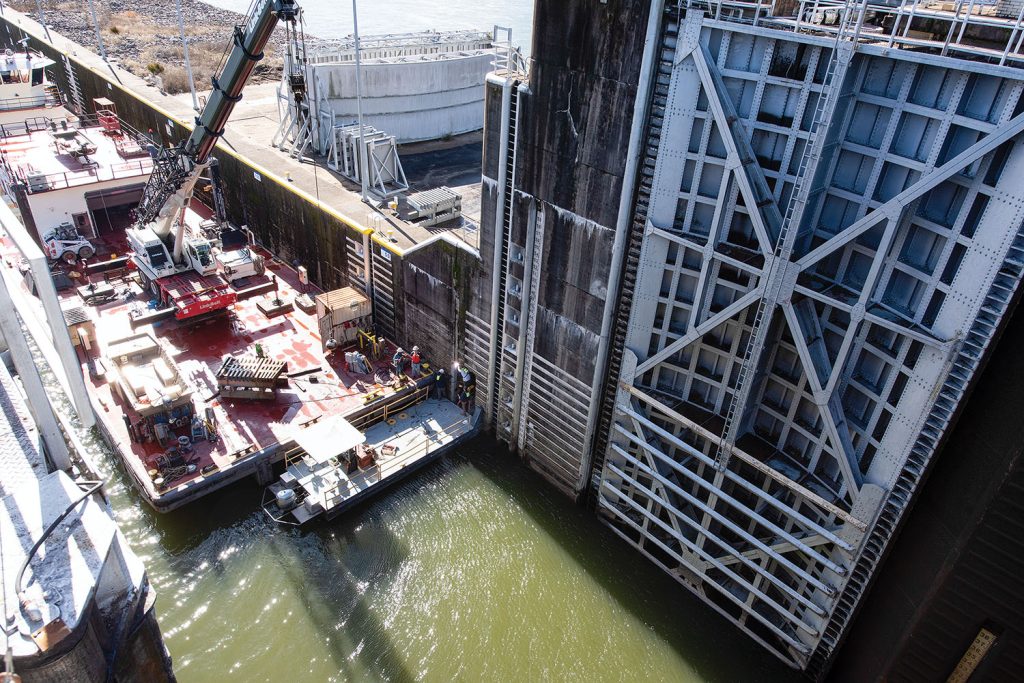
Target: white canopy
(329, 437)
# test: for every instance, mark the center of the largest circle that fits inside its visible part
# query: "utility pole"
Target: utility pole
(188, 63)
(96, 26)
(42, 20)
(363, 165)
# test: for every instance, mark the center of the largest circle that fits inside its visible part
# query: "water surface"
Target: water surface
(472, 570)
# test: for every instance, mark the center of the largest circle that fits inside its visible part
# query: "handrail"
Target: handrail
(415, 452)
(825, 16)
(62, 180)
(397, 405)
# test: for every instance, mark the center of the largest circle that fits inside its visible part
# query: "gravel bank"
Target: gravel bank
(143, 36)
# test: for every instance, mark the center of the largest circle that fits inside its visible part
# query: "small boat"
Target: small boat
(335, 466)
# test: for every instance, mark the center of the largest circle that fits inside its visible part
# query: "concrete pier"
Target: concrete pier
(96, 617)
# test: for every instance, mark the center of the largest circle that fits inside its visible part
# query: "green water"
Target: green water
(472, 570)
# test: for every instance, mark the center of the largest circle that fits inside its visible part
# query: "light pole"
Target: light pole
(96, 26)
(363, 165)
(42, 20)
(188, 64)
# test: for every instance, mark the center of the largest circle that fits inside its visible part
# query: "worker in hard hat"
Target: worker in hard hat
(398, 360)
(414, 363)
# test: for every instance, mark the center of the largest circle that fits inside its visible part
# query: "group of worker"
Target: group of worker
(407, 363)
(465, 387)
(412, 365)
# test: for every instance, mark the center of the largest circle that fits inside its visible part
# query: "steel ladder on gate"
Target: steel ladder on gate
(773, 279)
(506, 218)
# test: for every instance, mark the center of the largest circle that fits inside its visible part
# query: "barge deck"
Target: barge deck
(334, 466)
(239, 437)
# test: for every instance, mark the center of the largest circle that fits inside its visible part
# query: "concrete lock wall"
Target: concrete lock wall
(569, 163)
(417, 100)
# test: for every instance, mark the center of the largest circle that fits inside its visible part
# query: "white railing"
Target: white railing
(398, 45)
(992, 30)
(508, 59)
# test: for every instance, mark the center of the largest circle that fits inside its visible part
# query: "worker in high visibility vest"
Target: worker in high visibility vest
(440, 384)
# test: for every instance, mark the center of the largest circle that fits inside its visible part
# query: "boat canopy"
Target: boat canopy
(328, 438)
(19, 61)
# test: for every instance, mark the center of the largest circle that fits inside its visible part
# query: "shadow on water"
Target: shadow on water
(185, 529)
(713, 646)
(337, 567)
(315, 565)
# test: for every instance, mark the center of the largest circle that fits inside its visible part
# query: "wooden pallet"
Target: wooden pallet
(252, 372)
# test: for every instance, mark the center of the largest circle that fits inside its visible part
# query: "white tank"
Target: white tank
(414, 86)
(286, 499)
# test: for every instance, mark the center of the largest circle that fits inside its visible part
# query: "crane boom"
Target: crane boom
(227, 90)
(178, 168)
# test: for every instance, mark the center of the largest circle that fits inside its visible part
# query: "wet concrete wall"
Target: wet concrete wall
(573, 136)
(574, 124)
(437, 287)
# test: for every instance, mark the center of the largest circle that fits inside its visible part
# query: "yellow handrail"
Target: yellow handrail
(381, 412)
(293, 456)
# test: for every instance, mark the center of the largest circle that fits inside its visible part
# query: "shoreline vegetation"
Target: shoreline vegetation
(143, 38)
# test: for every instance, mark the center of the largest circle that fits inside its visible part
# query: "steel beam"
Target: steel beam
(745, 169)
(843, 451)
(894, 206)
(778, 477)
(739, 557)
(870, 282)
(722, 519)
(700, 330)
(757, 616)
(812, 540)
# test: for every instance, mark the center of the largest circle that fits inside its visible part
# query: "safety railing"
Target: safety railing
(992, 30)
(30, 125)
(36, 183)
(508, 59)
(35, 124)
(397, 46)
(342, 489)
(33, 102)
(389, 408)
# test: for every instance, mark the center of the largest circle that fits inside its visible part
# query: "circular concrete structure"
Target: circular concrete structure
(419, 87)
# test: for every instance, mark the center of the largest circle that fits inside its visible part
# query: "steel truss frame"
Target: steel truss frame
(765, 539)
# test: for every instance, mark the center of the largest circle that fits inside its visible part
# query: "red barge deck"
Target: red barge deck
(251, 435)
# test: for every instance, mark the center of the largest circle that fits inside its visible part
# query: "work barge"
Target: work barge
(235, 387)
(202, 355)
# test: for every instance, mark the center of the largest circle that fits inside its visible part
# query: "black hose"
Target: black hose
(93, 488)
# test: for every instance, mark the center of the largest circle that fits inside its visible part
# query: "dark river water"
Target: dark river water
(472, 570)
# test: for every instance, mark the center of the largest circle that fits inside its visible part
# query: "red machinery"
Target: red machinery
(193, 295)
